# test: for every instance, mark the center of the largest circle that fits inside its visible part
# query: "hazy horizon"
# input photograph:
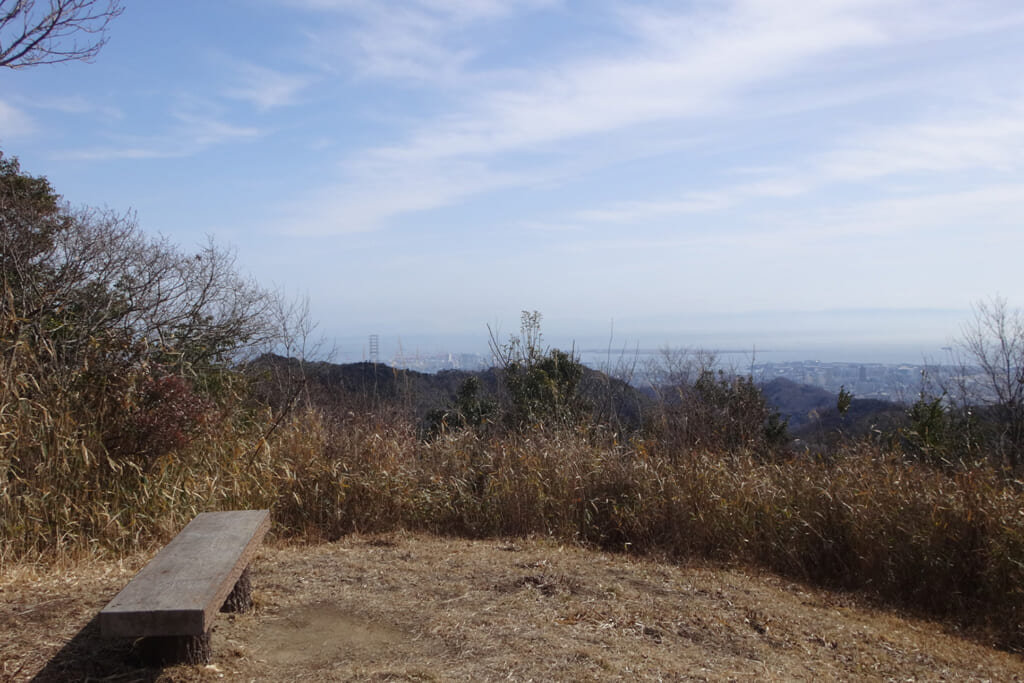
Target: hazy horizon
(890, 337)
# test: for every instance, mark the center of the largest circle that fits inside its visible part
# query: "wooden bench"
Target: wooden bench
(170, 605)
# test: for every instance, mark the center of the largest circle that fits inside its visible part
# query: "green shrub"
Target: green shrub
(542, 384)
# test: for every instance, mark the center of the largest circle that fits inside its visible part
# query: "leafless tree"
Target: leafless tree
(993, 344)
(676, 369)
(85, 283)
(33, 33)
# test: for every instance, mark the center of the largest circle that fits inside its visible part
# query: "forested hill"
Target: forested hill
(810, 411)
(418, 393)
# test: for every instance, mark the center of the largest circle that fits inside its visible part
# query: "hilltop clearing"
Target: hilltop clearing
(417, 607)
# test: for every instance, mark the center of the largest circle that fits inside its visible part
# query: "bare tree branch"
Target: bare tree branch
(54, 32)
(993, 342)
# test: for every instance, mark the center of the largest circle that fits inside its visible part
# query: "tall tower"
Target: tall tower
(374, 348)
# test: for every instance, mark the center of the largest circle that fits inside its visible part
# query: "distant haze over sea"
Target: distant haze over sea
(354, 350)
(858, 336)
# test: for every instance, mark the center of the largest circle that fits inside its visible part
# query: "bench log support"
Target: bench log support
(239, 600)
(170, 605)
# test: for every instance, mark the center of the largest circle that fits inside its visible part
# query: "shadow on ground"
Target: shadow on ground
(88, 656)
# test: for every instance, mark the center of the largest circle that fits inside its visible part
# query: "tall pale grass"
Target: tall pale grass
(947, 544)
(950, 545)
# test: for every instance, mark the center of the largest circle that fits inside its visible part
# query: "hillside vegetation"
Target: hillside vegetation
(136, 391)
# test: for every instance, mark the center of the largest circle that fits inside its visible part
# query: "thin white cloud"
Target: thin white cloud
(204, 131)
(267, 88)
(926, 243)
(941, 19)
(420, 41)
(455, 8)
(662, 79)
(364, 204)
(74, 104)
(673, 67)
(992, 140)
(638, 212)
(970, 213)
(920, 151)
(551, 227)
(14, 123)
(116, 152)
(192, 135)
(458, 11)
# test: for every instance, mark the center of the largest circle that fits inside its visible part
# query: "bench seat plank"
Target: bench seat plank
(181, 589)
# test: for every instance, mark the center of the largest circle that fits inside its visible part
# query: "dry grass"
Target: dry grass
(947, 544)
(414, 607)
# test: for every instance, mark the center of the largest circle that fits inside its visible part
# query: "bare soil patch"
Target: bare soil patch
(414, 607)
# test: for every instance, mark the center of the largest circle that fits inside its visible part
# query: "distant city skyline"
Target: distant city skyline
(742, 173)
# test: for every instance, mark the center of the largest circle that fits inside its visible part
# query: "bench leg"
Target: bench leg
(240, 597)
(164, 650)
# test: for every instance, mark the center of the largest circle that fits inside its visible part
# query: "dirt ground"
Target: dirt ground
(419, 608)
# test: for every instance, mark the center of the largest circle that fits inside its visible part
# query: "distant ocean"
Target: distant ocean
(890, 337)
(595, 353)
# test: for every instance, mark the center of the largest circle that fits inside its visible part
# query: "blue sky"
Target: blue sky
(758, 172)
